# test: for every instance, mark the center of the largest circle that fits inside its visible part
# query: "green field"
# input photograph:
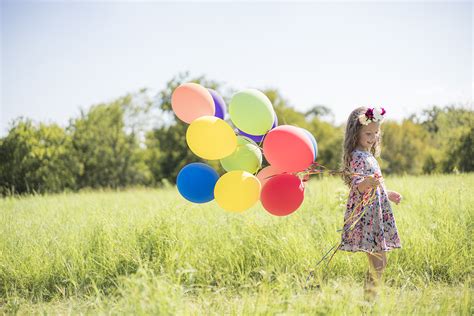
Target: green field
(151, 252)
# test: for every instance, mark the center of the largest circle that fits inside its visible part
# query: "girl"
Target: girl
(373, 226)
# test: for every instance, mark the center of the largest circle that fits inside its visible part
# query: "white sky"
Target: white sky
(404, 56)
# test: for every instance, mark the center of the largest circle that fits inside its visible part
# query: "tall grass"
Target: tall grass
(149, 251)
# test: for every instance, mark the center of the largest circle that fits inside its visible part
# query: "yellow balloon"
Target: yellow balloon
(211, 138)
(237, 191)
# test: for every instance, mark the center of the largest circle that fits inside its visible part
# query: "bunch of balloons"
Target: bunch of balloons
(288, 149)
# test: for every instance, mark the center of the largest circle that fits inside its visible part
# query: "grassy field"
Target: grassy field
(152, 252)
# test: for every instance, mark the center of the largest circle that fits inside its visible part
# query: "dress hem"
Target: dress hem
(355, 249)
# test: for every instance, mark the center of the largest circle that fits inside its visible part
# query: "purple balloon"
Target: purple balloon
(219, 104)
(255, 138)
(258, 138)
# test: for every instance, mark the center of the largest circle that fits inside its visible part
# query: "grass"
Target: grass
(150, 251)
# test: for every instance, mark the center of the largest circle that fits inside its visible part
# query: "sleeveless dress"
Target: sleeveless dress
(376, 231)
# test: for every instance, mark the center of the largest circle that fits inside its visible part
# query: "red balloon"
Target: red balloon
(288, 148)
(282, 194)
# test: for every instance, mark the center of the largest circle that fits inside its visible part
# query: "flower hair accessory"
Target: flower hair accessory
(372, 115)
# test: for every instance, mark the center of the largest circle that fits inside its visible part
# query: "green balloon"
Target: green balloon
(251, 111)
(246, 157)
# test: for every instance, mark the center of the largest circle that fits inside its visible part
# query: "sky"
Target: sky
(58, 57)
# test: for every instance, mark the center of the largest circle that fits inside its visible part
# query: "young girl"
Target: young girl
(374, 231)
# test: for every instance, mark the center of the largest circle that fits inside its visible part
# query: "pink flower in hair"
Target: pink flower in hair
(369, 113)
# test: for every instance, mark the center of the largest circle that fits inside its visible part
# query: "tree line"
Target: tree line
(136, 141)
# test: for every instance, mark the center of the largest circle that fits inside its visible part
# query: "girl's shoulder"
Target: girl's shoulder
(360, 153)
(361, 156)
(364, 157)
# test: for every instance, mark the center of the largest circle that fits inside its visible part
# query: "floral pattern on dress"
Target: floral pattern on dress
(376, 230)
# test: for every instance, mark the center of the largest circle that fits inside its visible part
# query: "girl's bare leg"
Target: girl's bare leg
(377, 264)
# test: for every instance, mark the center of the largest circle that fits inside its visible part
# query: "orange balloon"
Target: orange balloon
(267, 173)
(190, 101)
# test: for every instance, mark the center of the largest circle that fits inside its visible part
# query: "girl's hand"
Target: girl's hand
(372, 181)
(369, 182)
(394, 196)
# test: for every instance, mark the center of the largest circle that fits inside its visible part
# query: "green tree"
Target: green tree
(404, 147)
(107, 154)
(36, 158)
(137, 140)
(462, 156)
(446, 127)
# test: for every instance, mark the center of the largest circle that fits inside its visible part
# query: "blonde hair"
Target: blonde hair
(351, 139)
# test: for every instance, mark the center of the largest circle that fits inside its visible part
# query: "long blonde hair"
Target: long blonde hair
(351, 139)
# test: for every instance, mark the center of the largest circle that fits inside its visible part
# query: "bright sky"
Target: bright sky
(59, 56)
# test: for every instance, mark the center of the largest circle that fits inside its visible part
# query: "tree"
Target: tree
(319, 111)
(137, 140)
(445, 126)
(36, 158)
(404, 147)
(462, 156)
(108, 156)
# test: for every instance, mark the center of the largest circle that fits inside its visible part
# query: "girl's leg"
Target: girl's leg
(377, 264)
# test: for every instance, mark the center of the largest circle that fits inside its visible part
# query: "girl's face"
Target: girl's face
(368, 135)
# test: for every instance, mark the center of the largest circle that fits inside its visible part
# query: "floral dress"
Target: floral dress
(376, 230)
